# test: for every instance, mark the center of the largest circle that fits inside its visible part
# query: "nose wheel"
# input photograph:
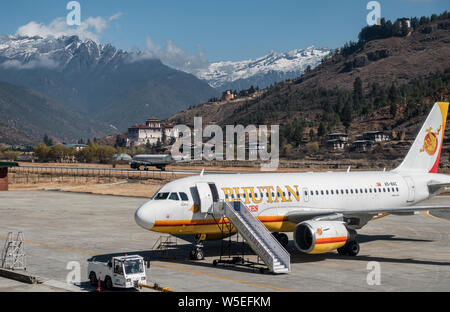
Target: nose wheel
(197, 253)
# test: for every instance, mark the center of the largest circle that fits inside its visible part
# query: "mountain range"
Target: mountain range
(100, 82)
(263, 71)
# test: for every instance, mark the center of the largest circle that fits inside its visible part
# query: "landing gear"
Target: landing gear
(197, 253)
(282, 239)
(349, 249)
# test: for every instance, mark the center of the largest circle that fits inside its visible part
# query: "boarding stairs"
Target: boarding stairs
(257, 236)
(13, 254)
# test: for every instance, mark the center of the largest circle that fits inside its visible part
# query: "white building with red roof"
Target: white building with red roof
(150, 133)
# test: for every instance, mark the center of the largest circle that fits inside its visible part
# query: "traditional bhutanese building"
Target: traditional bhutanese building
(150, 133)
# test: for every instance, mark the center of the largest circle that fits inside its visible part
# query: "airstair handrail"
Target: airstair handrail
(237, 210)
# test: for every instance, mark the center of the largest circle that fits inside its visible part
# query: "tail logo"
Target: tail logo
(430, 143)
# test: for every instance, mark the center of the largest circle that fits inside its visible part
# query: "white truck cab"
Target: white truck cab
(119, 272)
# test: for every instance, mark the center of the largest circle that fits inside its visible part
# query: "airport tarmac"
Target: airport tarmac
(413, 252)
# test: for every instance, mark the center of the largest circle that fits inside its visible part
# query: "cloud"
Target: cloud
(39, 61)
(90, 28)
(174, 56)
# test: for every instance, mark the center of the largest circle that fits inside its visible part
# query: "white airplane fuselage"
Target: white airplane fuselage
(281, 194)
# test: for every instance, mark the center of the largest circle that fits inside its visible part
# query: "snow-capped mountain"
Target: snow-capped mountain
(262, 71)
(63, 52)
(99, 80)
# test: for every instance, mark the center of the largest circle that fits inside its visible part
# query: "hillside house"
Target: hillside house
(338, 136)
(227, 96)
(336, 144)
(363, 145)
(377, 136)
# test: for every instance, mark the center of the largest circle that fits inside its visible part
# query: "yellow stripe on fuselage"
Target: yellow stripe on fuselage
(210, 226)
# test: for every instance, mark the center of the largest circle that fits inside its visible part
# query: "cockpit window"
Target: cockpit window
(184, 197)
(161, 196)
(174, 196)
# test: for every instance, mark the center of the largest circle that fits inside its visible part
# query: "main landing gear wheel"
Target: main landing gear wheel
(282, 238)
(349, 249)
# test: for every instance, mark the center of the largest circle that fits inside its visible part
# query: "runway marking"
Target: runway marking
(427, 213)
(171, 267)
(56, 246)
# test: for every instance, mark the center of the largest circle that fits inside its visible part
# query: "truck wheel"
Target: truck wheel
(93, 279)
(108, 283)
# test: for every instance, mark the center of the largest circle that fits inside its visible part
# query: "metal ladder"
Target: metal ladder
(13, 255)
(262, 242)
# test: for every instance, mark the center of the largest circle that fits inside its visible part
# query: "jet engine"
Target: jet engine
(317, 237)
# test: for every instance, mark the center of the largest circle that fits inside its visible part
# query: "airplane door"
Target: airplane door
(205, 195)
(411, 189)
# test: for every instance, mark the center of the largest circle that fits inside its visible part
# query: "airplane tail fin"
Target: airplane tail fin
(424, 154)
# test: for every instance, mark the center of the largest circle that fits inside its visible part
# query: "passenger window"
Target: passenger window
(384, 190)
(351, 191)
(342, 191)
(356, 191)
(311, 192)
(332, 192)
(321, 192)
(346, 191)
(397, 189)
(317, 192)
(327, 192)
(184, 197)
(174, 196)
(370, 190)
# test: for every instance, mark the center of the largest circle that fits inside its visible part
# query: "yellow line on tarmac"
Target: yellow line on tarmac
(427, 213)
(171, 267)
(55, 246)
(222, 277)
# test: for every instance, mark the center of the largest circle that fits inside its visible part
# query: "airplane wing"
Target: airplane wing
(301, 215)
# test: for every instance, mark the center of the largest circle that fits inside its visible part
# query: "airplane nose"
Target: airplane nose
(144, 217)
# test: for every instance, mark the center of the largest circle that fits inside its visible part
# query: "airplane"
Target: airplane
(324, 210)
(158, 161)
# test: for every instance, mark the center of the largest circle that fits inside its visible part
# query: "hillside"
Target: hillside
(322, 94)
(383, 84)
(99, 81)
(28, 115)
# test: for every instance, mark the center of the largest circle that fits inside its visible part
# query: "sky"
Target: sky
(212, 30)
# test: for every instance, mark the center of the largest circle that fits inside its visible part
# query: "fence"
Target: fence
(31, 175)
